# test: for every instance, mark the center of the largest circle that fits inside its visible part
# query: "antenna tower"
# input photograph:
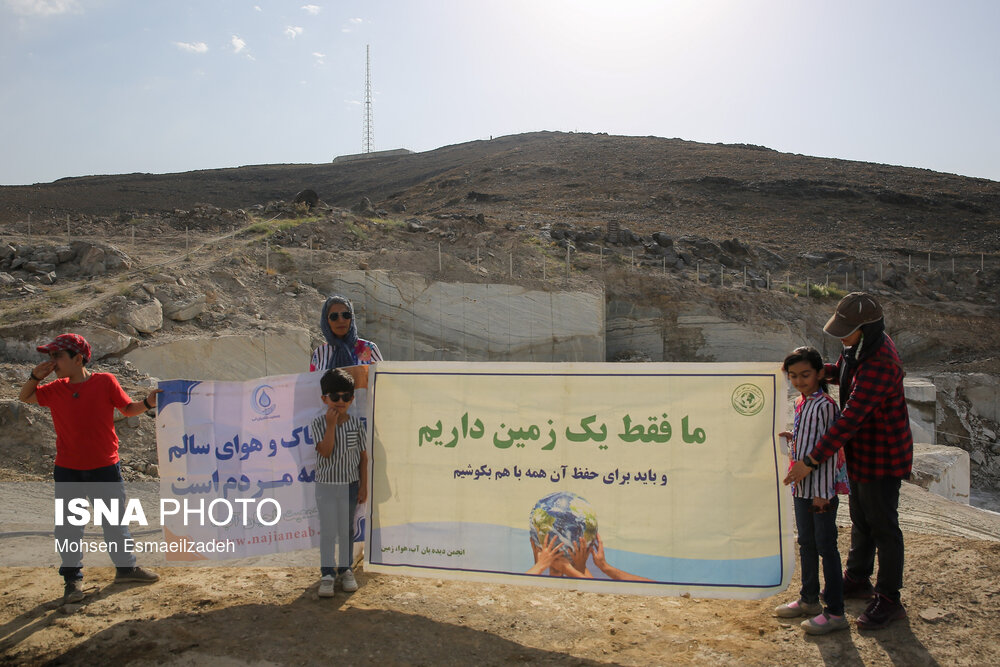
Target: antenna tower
(369, 140)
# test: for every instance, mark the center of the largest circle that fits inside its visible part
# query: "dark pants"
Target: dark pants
(336, 504)
(100, 483)
(875, 529)
(818, 539)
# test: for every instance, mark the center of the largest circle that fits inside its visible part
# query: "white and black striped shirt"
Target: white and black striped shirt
(816, 414)
(343, 465)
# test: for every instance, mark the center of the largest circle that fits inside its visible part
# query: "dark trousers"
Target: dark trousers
(818, 540)
(875, 530)
(100, 483)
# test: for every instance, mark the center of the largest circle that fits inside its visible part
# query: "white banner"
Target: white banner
(237, 464)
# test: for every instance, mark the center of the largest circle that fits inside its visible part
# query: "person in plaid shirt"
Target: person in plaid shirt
(874, 431)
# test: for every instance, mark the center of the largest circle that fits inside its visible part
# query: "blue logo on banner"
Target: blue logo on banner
(261, 402)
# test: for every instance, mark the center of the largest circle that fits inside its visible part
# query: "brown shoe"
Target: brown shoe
(881, 612)
(135, 575)
(73, 592)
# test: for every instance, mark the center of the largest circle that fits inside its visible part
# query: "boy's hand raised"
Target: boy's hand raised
(42, 370)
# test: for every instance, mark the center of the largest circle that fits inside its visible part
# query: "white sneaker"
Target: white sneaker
(326, 586)
(348, 582)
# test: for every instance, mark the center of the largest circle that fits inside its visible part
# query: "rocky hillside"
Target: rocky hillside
(667, 229)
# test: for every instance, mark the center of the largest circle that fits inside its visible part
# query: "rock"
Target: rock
(47, 277)
(64, 253)
(183, 310)
(307, 197)
(736, 248)
(364, 207)
(7, 279)
(663, 240)
(483, 197)
(935, 615)
(91, 260)
(942, 470)
(104, 342)
(145, 318)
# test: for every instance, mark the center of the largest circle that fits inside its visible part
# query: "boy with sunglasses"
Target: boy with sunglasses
(341, 479)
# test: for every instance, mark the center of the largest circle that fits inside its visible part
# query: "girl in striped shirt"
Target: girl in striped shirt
(815, 497)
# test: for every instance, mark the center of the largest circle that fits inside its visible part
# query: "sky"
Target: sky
(120, 86)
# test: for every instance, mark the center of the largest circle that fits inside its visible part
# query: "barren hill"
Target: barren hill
(644, 183)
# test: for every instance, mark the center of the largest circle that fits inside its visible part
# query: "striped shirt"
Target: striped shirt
(344, 463)
(813, 416)
(365, 352)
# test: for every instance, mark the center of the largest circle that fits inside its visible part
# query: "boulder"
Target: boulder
(104, 342)
(942, 470)
(364, 207)
(182, 310)
(64, 254)
(307, 197)
(91, 260)
(663, 240)
(145, 318)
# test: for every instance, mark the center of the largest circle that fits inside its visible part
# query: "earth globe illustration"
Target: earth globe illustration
(567, 516)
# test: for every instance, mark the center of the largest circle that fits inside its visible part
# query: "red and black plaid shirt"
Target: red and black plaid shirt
(874, 428)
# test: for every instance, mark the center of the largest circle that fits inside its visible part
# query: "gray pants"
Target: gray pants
(336, 504)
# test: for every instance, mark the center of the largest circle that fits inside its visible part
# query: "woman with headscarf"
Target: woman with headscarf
(874, 431)
(342, 347)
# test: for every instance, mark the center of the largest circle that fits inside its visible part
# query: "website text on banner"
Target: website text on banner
(237, 463)
(638, 478)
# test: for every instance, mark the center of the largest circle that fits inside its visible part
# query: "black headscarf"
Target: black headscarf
(872, 336)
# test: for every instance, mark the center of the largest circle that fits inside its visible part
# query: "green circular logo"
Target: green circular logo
(748, 399)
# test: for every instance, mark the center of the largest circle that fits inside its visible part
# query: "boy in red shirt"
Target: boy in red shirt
(82, 404)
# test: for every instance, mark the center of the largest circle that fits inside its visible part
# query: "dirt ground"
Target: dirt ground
(269, 616)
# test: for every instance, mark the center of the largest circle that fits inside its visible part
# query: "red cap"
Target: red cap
(70, 342)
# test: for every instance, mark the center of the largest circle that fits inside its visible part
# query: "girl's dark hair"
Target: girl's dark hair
(810, 355)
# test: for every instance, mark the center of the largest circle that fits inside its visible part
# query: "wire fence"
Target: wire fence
(948, 271)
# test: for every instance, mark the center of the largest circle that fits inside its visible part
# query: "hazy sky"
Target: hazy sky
(119, 86)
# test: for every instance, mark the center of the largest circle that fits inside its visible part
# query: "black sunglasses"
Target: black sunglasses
(336, 316)
(344, 396)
